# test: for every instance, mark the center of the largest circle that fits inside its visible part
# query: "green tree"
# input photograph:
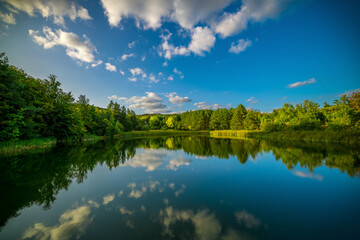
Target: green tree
(237, 120)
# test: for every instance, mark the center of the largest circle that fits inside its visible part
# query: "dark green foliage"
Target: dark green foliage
(33, 108)
(237, 120)
(220, 119)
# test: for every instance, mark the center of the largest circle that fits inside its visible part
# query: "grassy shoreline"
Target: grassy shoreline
(16, 147)
(351, 136)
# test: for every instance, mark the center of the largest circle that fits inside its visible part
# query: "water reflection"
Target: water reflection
(36, 179)
(72, 222)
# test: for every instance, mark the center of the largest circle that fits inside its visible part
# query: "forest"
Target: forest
(38, 108)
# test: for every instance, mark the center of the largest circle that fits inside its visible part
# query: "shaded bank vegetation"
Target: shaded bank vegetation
(34, 108)
(55, 169)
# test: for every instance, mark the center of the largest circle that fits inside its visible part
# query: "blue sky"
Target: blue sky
(176, 55)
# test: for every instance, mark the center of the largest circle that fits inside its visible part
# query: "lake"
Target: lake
(185, 187)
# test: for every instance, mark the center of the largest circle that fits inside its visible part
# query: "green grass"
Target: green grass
(13, 147)
(327, 135)
(231, 133)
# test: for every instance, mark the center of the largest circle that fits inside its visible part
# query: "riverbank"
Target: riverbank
(16, 147)
(351, 136)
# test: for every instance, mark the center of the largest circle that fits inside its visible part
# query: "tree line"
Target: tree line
(33, 108)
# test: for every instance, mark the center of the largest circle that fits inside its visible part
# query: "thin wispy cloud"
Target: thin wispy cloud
(304, 83)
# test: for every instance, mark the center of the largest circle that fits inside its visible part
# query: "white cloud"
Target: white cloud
(147, 13)
(202, 40)
(124, 210)
(151, 101)
(96, 63)
(143, 58)
(299, 84)
(189, 12)
(205, 105)
(114, 97)
(308, 175)
(126, 56)
(255, 11)
(136, 71)
(137, 193)
(132, 79)
(174, 98)
(240, 46)
(252, 100)
(177, 71)
(7, 18)
(247, 219)
(72, 224)
(170, 78)
(206, 225)
(151, 13)
(131, 45)
(152, 78)
(109, 198)
(75, 47)
(110, 67)
(121, 72)
(168, 50)
(58, 9)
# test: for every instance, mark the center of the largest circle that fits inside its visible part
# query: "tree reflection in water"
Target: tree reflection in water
(37, 178)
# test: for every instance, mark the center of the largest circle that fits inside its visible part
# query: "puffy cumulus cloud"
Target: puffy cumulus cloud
(75, 47)
(189, 12)
(205, 105)
(151, 101)
(147, 13)
(126, 56)
(153, 79)
(299, 84)
(124, 211)
(136, 193)
(240, 46)
(110, 67)
(152, 159)
(58, 9)
(247, 219)
(174, 98)
(168, 50)
(7, 18)
(132, 79)
(255, 11)
(206, 225)
(71, 223)
(175, 163)
(151, 13)
(136, 71)
(121, 72)
(109, 198)
(202, 40)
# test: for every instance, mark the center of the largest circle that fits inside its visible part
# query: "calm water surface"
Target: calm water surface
(182, 188)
